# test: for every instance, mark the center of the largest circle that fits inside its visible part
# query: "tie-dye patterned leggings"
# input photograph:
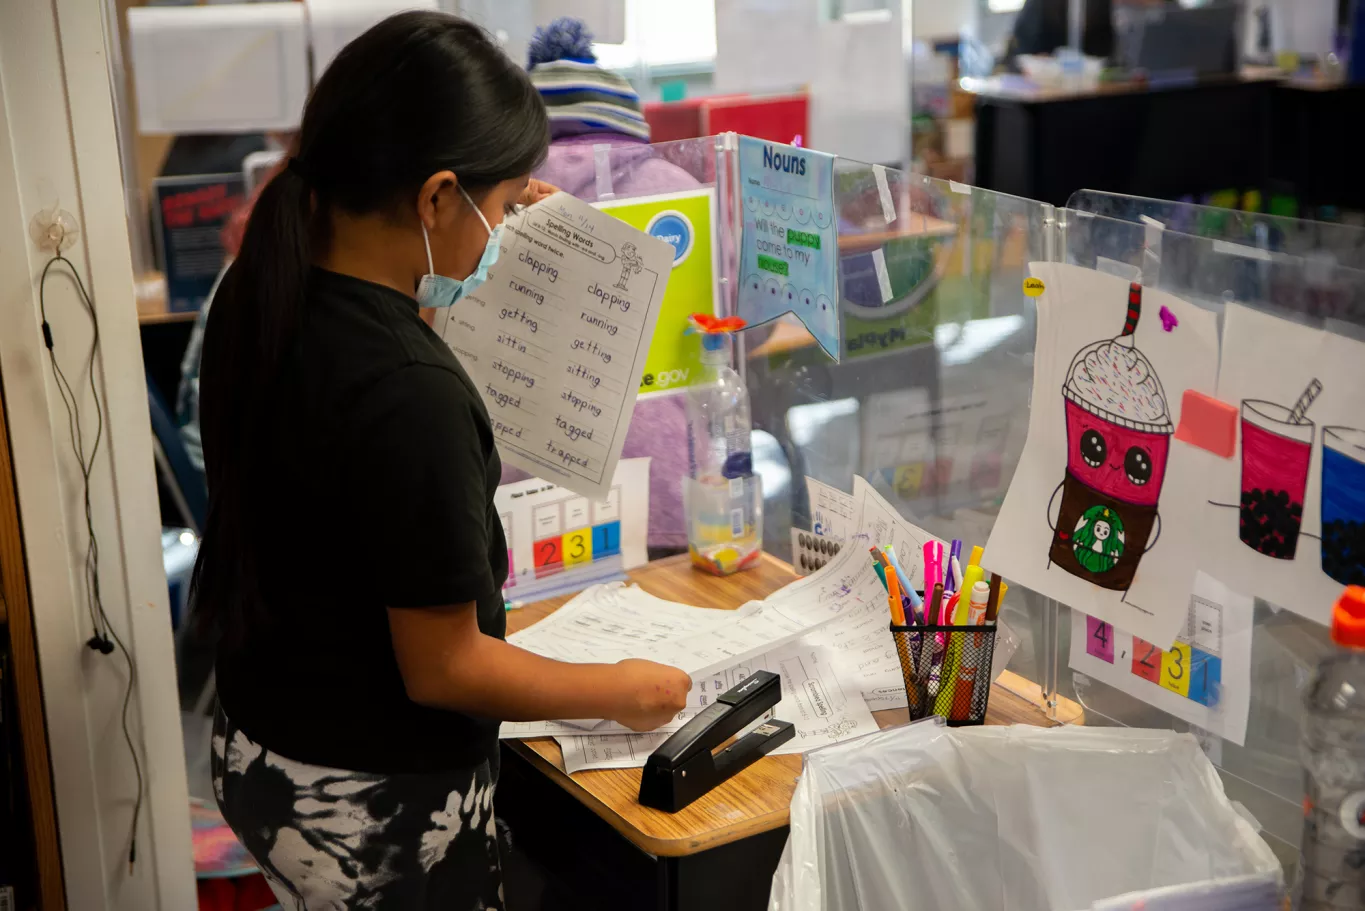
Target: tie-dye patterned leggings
(331, 840)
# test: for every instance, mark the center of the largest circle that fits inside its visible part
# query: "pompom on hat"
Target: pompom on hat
(579, 95)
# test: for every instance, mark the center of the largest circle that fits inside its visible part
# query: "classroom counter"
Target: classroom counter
(591, 837)
(1255, 130)
(1165, 141)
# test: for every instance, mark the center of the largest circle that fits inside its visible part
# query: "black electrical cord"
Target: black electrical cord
(99, 620)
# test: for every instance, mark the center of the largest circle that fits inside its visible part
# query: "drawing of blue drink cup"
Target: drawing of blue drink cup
(1343, 504)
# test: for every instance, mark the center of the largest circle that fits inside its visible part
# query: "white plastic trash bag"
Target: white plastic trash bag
(1019, 818)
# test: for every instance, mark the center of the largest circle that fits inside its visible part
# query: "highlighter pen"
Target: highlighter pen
(971, 576)
(881, 576)
(935, 604)
(906, 588)
(932, 613)
(982, 681)
(909, 598)
(963, 680)
(947, 675)
(932, 575)
(877, 566)
(894, 598)
(977, 551)
(997, 600)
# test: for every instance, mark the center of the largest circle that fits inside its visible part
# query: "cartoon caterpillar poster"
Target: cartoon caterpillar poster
(1118, 431)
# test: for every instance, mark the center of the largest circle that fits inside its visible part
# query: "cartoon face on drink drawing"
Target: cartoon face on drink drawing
(1118, 431)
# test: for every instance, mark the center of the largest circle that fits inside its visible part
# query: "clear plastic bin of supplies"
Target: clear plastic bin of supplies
(930, 818)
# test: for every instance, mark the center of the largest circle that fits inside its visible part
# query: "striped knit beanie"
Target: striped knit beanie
(579, 95)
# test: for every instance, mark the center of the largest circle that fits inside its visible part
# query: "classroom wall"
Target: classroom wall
(941, 18)
(58, 145)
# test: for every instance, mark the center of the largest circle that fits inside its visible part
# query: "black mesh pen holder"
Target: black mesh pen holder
(947, 670)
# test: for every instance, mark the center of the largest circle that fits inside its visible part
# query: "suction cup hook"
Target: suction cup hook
(54, 230)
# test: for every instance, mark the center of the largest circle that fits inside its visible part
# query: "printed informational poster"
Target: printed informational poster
(1203, 678)
(1103, 513)
(560, 541)
(815, 699)
(190, 213)
(684, 221)
(789, 249)
(556, 339)
(1285, 516)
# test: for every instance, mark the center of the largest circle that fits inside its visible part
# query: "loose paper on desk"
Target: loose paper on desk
(609, 623)
(824, 708)
(559, 541)
(556, 339)
(831, 511)
(865, 652)
(1284, 518)
(1203, 678)
(1103, 511)
(789, 247)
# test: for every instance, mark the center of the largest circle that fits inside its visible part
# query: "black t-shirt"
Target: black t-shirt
(381, 470)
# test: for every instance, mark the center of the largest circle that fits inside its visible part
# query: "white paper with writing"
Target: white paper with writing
(824, 708)
(842, 607)
(556, 339)
(1205, 678)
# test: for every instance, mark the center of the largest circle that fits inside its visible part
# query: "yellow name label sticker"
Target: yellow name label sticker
(1033, 287)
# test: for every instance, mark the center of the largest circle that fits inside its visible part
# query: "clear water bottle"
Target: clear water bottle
(1332, 858)
(722, 495)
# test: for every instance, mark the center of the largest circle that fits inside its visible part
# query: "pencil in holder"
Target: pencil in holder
(947, 670)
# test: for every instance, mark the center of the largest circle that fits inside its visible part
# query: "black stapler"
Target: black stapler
(683, 768)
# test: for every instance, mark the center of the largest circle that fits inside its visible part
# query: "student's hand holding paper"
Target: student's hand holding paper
(535, 191)
(650, 694)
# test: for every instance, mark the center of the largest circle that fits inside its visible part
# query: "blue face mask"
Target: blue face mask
(441, 290)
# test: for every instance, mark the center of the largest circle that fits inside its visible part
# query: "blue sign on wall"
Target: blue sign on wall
(789, 249)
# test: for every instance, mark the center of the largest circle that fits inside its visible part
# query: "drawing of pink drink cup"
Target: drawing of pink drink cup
(1277, 446)
(1118, 432)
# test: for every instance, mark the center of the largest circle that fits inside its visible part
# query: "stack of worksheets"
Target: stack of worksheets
(825, 634)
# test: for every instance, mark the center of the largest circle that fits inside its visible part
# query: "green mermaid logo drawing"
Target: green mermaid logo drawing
(1098, 539)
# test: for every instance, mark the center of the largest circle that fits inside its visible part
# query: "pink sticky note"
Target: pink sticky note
(1208, 423)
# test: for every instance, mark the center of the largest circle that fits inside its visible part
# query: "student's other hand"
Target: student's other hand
(535, 191)
(650, 694)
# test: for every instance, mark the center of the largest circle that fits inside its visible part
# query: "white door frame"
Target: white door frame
(58, 145)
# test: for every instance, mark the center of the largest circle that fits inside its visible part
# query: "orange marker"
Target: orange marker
(893, 595)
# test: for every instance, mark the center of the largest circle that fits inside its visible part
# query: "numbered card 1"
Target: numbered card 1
(1203, 677)
(559, 541)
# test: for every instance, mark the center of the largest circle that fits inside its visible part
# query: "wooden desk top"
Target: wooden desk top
(754, 801)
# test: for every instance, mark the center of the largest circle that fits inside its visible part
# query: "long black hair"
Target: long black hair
(419, 93)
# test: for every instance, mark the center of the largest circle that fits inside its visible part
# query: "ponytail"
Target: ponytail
(419, 93)
(256, 313)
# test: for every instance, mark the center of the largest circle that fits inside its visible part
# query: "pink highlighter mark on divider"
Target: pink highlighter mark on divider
(1208, 423)
(1168, 320)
